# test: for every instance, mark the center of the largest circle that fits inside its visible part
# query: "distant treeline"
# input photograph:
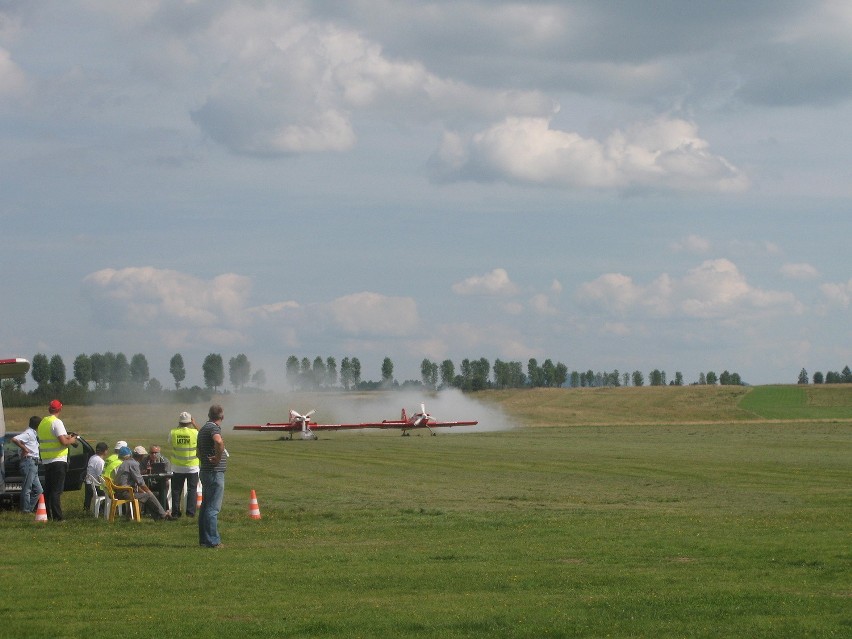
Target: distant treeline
(831, 377)
(112, 378)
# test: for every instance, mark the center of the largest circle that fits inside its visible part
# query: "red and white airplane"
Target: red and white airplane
(303, 424)
(10, 368)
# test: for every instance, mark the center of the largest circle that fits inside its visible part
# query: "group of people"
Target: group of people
(198, 454)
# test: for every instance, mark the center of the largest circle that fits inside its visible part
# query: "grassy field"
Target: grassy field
(602, 513)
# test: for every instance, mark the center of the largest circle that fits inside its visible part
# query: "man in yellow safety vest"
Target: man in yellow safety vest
(184, 440)
(54, 441)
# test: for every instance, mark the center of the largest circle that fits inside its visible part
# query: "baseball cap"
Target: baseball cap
(121, 444)
(140, 450)
(184, 418)
(124, 451)
(55, 405)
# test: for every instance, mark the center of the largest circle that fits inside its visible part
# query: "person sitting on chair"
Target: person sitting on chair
(128, 474)
(94, 468)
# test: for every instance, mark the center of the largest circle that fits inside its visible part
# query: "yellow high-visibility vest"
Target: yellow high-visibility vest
(110, 464)
(49, 446)
(184, 445)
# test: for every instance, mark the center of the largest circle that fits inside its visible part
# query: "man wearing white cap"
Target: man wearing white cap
(184, 440)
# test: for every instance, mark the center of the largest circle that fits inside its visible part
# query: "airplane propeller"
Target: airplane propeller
(423, 418)
(296, 418)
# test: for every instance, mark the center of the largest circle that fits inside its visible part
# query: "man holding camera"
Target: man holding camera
(54, 441)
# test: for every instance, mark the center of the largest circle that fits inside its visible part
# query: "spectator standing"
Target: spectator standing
(213, 461)
(184, 441)
(31, 487)
(54, 441)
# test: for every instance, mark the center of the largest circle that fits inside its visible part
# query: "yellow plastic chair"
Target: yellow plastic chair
(115, 501)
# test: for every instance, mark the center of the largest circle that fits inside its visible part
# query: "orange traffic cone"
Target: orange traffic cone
(198, 497)
(254, 509)
(41, 511)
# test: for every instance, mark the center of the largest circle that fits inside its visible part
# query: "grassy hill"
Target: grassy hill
(668, 404)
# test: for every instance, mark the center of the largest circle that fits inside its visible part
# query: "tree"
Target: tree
(214, 371)
(99, 370)
(638, 378)
(678, 380)
(177, 369)
(448, 373)
(356, 371)
(846, 375)
(387, 371)
(330, 372)
(259, 378)
(702, 380)
(139, 369)
(291, 371)
(83, 370)
(40, 370)
(318, 372)
(818, 378)
(57, 373)
(305, 377)
(429, 374)
(657, 378)
(239, 371)
(803, 377)
(346, 373)
(548, 373)
(711, 378)
(534, 373)
(561, 375)
(120, 370)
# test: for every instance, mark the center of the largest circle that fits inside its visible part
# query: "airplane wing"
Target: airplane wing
(387, 424)
(13, 367)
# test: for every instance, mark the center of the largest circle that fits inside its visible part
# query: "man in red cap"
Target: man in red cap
(54, 441)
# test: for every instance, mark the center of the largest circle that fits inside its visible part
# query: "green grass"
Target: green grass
(800, 402)
(667, 529)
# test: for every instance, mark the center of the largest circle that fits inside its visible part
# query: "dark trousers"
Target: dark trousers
(178, 480)
(54, 484)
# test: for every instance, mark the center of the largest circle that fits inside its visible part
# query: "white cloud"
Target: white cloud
(837, 294)
(145, 295)
(665, 153)
(692, 244)
(800, 271)
(541, 304)
(496, 282)
(288, 85)
(715, 289)
(374, 314)
(13, 81)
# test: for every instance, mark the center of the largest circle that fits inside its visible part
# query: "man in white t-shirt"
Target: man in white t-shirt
(31, 487)
(54, 441)
(94, 468)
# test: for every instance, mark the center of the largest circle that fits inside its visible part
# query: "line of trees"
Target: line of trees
(831, 377)
(112, 378)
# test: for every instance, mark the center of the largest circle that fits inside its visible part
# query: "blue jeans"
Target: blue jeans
(212, 492)
(31, 488)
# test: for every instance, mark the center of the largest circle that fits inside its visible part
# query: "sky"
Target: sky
(611, 185)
